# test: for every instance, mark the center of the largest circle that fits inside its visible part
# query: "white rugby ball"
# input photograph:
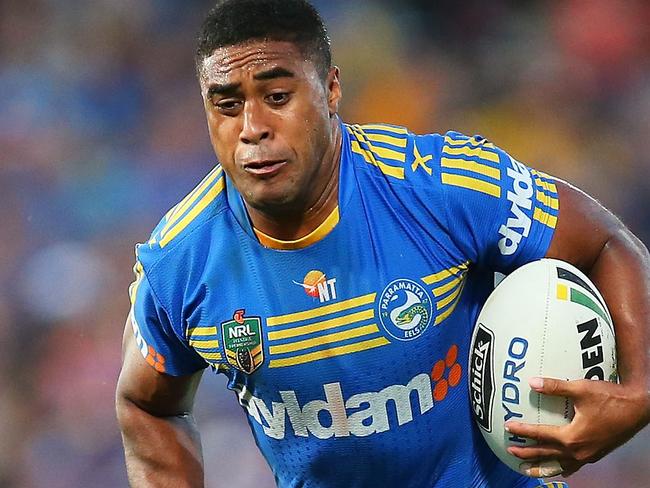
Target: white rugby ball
(545, 319)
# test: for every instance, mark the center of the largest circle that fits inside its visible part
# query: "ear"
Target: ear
(334, 92)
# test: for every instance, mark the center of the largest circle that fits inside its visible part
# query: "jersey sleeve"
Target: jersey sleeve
(160, 342)
(499, 212)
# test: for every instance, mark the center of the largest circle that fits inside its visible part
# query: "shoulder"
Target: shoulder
(186, 222)
(390, 151)
(471, 163)
(398, 154)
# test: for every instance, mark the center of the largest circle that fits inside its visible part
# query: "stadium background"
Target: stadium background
(102, 130)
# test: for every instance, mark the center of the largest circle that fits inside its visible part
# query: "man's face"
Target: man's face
(270, 121)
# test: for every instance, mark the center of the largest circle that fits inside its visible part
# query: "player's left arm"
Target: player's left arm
(606, 414)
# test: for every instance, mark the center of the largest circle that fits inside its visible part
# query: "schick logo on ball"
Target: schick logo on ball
(405, 309)
(481, 382)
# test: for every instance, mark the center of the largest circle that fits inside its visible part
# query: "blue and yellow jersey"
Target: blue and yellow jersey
(348, 349)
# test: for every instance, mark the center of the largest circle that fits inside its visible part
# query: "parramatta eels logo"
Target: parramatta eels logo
(405, 309)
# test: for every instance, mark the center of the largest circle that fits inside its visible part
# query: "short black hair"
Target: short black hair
(232, 22)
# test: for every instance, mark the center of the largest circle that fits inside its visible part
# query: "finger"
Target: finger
(542, 469)
(536, 452)
(543, 434)
(556, 387)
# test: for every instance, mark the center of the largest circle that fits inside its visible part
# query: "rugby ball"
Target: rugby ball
(545, 319)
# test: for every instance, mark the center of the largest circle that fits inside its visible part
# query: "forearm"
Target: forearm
(593, 239)
(622, 274)
(160, 452)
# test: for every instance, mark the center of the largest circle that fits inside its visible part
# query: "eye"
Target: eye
(279, 98)
(227, 106)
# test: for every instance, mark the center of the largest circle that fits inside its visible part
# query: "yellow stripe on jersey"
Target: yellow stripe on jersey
(478, 152)
(442, 289)
(395, 141)
(445, 273)
(447, 293)
(320, 311)
(545, 218)
(387, 128)
(444, 315)
(327, 353)
(138, 270)
(192, 214)
(210, 330)
(382, 152)
(211, 356)
(547, 200)
(463, 146)
(472, 184)
(326, 339)
(370, 159)
(442, 303)
(546, 185)
(323, 325)
(468, 140)
(182, 207)
(203, 337)
(541, 174)
(373, 155)
(473, 166)
(204, 343)
(351, 328)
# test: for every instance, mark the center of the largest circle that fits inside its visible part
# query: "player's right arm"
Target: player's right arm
(154, 411)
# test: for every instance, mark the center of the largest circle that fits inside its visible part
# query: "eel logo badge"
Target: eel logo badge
(405, 309)
(242, 339)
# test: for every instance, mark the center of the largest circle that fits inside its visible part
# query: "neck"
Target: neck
(289, 224)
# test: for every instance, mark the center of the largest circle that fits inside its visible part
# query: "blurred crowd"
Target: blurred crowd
(102, 130)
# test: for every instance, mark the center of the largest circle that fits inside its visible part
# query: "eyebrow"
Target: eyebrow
(270, 74)
(222, 89)
(273, 73)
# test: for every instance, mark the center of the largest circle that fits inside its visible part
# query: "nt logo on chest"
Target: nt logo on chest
(361, 414)
(317, 285)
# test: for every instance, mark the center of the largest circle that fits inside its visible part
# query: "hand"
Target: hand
(606, 416)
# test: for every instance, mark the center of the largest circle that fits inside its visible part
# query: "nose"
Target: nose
(255, 127)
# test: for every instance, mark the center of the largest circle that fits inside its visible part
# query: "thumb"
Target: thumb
(553, 386)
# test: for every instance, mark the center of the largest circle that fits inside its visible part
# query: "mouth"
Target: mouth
(264, 168)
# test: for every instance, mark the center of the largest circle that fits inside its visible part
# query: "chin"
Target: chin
(270, 201)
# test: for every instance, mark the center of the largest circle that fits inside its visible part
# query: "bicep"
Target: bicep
(157, 393)
(584, 228)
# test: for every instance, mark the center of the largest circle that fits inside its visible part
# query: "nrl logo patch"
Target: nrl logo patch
(242, 340)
